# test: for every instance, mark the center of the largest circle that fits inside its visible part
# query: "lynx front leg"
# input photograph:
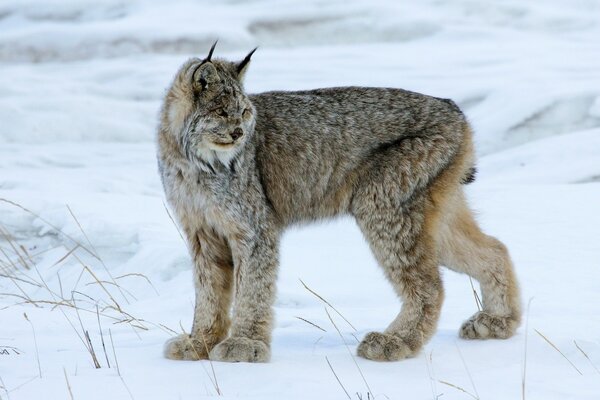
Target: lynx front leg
(255, 276)
(213, 280)
(404, 249)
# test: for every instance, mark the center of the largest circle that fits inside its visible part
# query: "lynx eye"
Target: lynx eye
(246, 112)
(221, 113)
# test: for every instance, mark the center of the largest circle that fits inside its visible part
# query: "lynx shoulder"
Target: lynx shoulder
(238, 169)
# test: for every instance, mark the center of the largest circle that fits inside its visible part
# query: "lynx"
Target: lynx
(237, 169)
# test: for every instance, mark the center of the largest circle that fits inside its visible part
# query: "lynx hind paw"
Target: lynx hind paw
(184, 347)
(383, 347)
(241, 349)
(487, 326)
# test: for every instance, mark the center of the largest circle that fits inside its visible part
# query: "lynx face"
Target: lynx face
(209, 110)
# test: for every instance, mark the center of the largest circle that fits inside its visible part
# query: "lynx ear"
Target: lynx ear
(242, 66)
(204, 76)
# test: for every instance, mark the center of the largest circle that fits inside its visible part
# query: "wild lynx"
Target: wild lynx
(238, 169)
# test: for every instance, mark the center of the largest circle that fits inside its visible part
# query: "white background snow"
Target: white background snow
(80, 87)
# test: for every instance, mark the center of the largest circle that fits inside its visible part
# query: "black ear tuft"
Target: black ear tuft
(469, 176)
(242, 64)
(210, 53)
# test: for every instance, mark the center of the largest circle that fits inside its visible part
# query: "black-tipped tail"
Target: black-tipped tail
(470, 176)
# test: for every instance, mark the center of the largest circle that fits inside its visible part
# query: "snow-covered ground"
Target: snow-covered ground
(80, 88)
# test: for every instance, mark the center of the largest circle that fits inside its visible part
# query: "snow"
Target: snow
(79, 95)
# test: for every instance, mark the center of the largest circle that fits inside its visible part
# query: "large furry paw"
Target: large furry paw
(383, 347)
(487, 326)
(236, 349)
(184, 347)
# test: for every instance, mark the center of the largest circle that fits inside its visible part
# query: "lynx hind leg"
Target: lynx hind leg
(401, 244)
(463, 247)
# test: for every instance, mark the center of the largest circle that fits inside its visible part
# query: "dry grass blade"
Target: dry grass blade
(586, 356)
(114, 352)
(87, 341)
(212, 379)
(32, 283)
(74, 292)
(174, 224)
(467, 369)
(337, 378)
(166, 328)
(98, 281)
(102, 336)
(117, 364)
(73, 327)
(127, 388)
(129, 319)
(24, 250)
(63, 258)
(110, 283)
(23, 384)
(132, 325)
(476, 295)
(458, 388)
(557, 349)
(92, 351)
(430, 373)
(137, 274)
(349, 352)
(212, 367)
(326, 302)
(311, 323)
(68, 385)
(60, 286)
(4, 388)
(83, 232)
(37, 353)
(27, 300)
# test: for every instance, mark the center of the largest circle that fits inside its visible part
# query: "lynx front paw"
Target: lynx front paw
(184, 347)
(487, 326)
(238, 349)
(383, 347)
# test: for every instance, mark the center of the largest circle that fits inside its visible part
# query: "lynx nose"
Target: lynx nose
(237, 133)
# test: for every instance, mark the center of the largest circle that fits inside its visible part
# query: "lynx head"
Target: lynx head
(207, 110)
